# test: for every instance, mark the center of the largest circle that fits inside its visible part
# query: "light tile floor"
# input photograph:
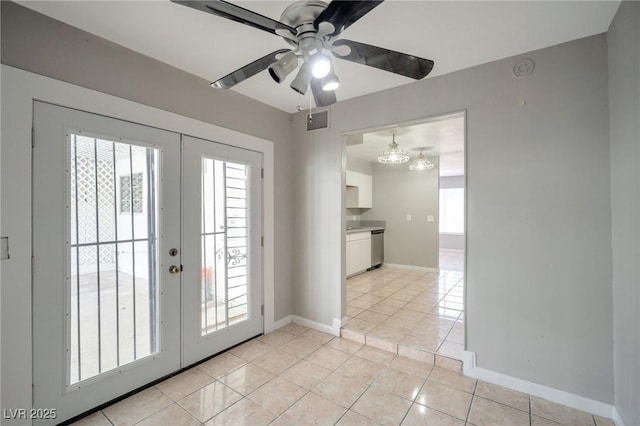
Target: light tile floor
(409, 312)
(299, 376)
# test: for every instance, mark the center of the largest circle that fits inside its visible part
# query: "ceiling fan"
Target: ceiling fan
(312, 28)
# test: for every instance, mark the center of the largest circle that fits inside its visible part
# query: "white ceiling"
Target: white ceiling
(455, 34)
(442, 137)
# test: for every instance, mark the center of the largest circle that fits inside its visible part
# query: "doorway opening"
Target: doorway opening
(412, 300)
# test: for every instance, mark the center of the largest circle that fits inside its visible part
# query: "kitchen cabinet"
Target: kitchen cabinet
(352, 178)
(359, 190)
(358, 252)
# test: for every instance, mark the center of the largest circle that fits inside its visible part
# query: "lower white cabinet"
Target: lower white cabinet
(358, 252)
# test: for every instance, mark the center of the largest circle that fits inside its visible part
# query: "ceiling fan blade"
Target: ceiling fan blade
(248, 70)
(341, 13)
(385, 59)
(238, 14)
(323, 98)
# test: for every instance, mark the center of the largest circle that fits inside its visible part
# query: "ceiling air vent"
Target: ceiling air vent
(318, 120)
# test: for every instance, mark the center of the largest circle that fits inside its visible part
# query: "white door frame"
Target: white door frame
(19, 90)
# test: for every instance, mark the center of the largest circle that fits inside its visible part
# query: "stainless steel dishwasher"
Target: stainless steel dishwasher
(377, 248)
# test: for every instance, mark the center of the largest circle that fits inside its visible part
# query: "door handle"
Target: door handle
(173, 269)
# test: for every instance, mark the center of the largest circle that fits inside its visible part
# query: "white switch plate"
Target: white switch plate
(431, 219)
(408, 218)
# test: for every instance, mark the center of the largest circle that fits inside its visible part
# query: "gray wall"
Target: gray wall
(397, 192)
(624, 129)
(539, 296)
(42, 45)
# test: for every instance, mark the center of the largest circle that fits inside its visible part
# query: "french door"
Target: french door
(146, 248)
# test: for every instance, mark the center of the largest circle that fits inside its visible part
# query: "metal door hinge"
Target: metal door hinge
(261, 241)
(33, 137)
(262, 309)
(262, 173)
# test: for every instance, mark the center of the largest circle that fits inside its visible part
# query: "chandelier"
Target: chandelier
(421, 163)
(393, 155)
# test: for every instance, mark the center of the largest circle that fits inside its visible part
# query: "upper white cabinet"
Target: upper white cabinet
(352, 178)
(359, 190)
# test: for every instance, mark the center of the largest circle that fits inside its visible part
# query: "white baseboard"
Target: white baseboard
(554, 395)
(331, 329)
(616, 417)
(273, 326)
(415, 268)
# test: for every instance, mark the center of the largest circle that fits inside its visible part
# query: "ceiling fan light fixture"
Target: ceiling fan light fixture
(330, 82)
(421, 163)
(285, 65)
(301, 83)
(393, 155)
(320, 65)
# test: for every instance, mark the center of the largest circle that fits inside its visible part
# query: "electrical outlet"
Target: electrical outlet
(408, 218)
(431, 219)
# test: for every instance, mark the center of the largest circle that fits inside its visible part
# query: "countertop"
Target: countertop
(364, 229)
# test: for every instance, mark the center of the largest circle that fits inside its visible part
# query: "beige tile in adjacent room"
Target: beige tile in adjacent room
(340, 389)
(489, 413)
(387, 333)
(243, 413)
(559, 413)
(502, 395)
(445, 399)
(209, 401)
(137, 407)
(221, 365)
(277, 395)
(173, 415)
(313, 409)
(419, 415)
(381, 406)
(181, 385)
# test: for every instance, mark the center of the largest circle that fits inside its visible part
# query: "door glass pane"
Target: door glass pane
(224, 244)
(112, 278)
